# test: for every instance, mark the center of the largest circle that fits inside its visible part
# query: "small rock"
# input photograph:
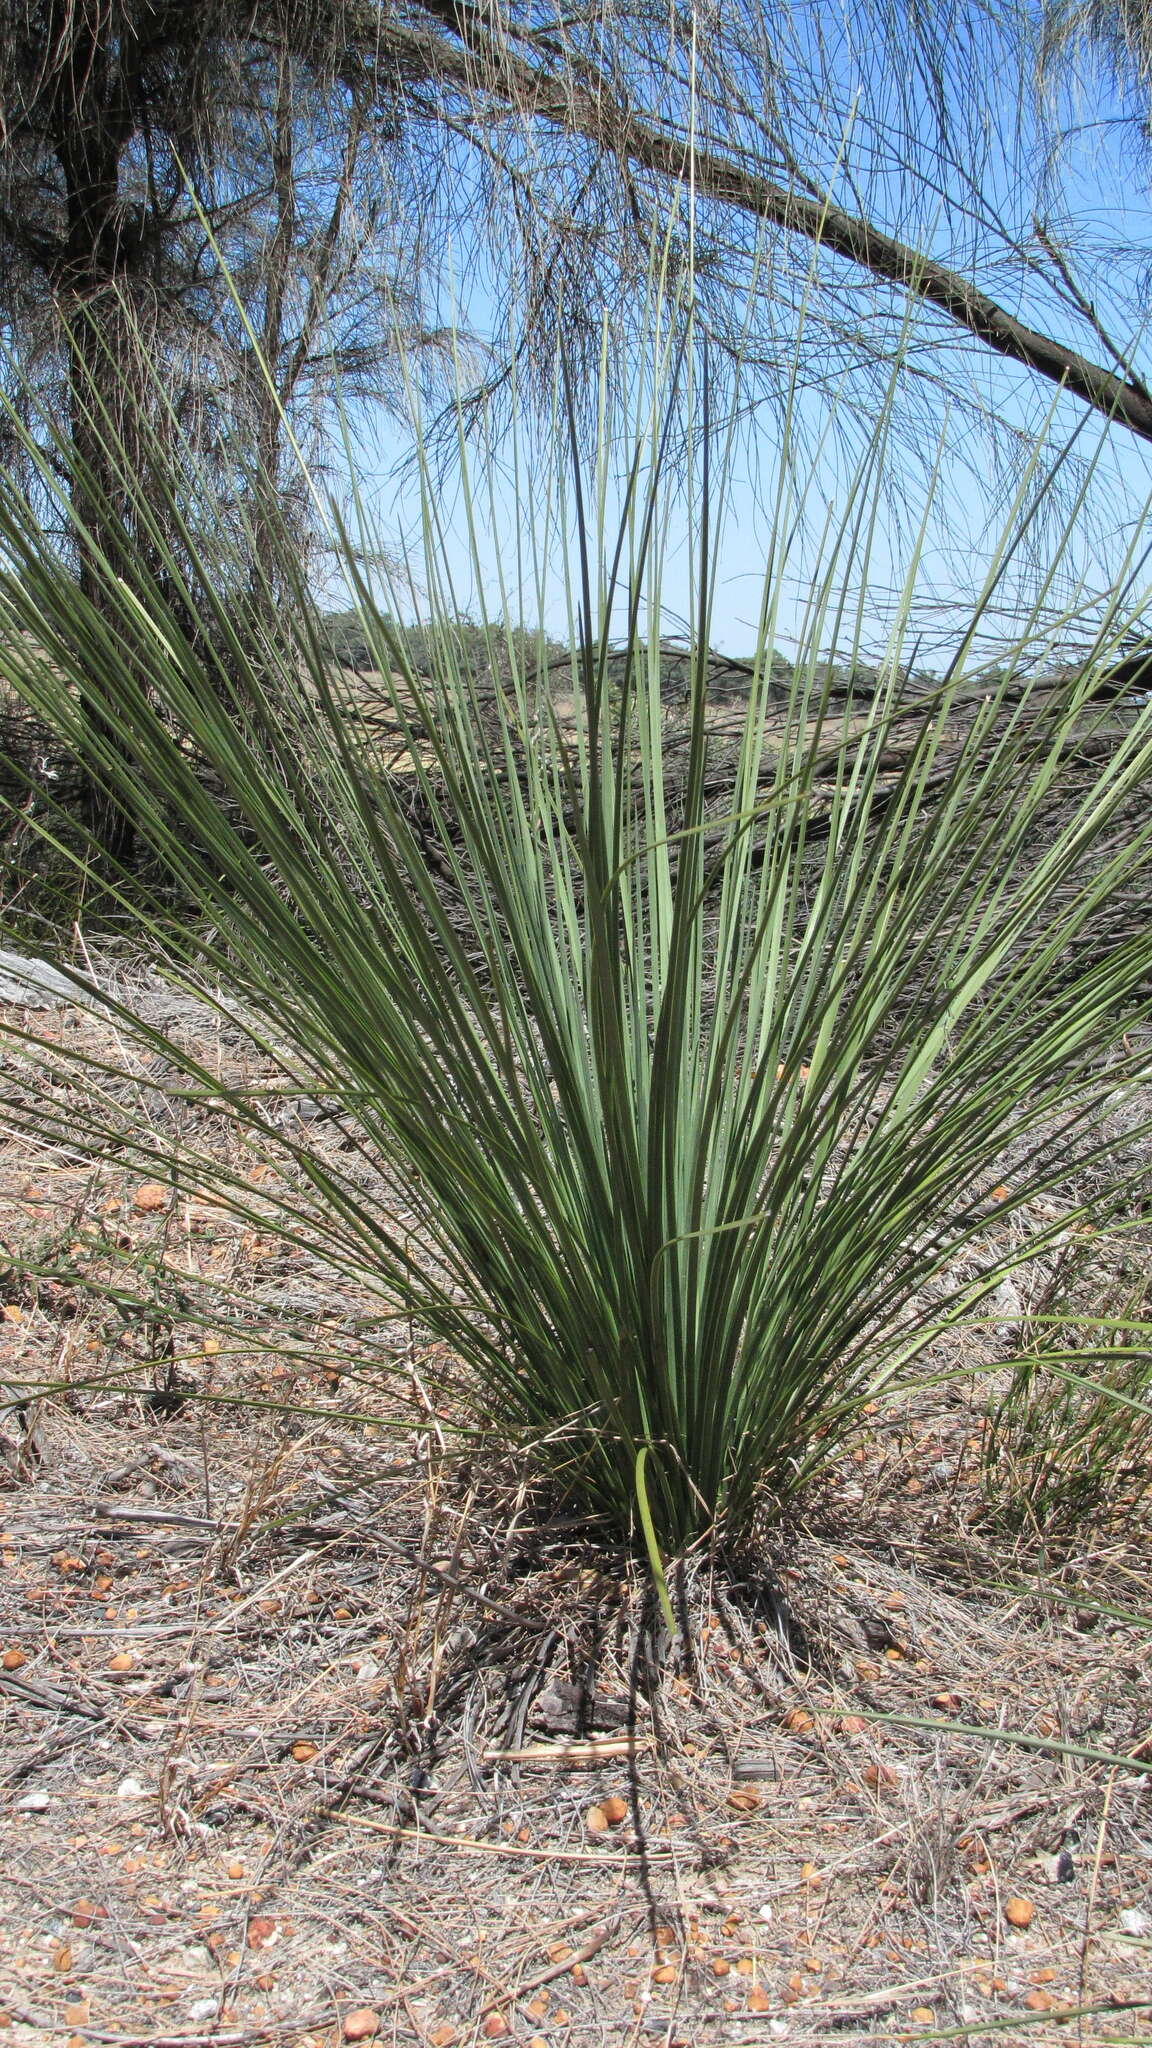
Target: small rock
(13, 1659)
(304, 1107)
(744, 1798)
(879, 1778)
(131, 1788)
(203, 2008)
(1007, 1303)
(1133, 1920)
(564, 1709)
(84, 1913)
(1019, 1912)
(747, 1769)
(33, 1802)
(361, 2024)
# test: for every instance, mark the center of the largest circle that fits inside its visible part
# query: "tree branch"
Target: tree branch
(468, 57)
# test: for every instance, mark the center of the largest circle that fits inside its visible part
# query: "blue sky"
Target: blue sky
(1102, 199)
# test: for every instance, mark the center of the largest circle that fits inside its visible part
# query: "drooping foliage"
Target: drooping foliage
(676, 1071)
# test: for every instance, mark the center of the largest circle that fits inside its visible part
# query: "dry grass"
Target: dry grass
(255, 1770)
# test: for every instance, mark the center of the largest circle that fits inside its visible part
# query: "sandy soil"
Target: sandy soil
(318, 1729)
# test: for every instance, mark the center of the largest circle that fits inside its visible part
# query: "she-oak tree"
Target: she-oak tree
(334, 148)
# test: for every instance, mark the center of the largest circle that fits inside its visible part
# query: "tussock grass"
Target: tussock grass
(1068, 1448)
(693, 1104)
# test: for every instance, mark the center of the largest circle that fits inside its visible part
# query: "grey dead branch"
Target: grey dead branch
(35, 984)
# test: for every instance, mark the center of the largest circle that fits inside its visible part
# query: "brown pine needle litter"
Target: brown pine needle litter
(308, 1702)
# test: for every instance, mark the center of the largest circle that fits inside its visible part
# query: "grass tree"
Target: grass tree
(683, 1087)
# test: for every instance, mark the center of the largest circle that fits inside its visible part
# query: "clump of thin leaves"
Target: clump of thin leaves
(672, 1096)
(1067, 1449)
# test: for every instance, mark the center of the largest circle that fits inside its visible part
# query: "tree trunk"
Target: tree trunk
(90, 135)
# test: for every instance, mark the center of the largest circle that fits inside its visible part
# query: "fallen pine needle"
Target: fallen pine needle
(591, 1947)
(593, 1752)
(383, 1827)
(224, 2037)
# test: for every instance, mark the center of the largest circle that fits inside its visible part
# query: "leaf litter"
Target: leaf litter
(320, 1726)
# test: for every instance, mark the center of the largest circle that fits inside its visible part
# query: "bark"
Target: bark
(278, 265)
(90, 132)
